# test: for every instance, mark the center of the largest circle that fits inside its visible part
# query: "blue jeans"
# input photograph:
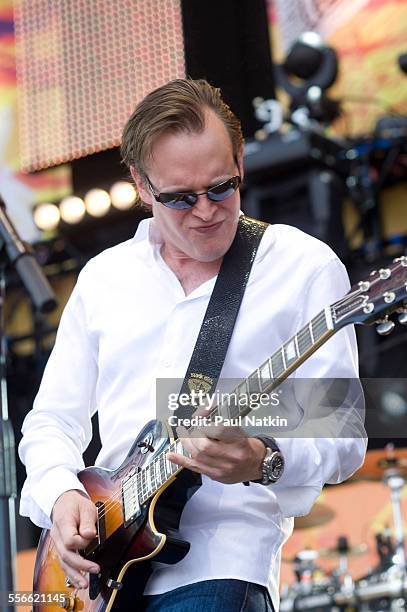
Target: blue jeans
(212, 596)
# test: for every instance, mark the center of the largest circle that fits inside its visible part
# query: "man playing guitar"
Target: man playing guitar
(134, 316)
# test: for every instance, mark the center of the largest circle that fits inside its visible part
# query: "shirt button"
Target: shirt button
(167, 363)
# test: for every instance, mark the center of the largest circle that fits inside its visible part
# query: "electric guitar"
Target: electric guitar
(139, 505)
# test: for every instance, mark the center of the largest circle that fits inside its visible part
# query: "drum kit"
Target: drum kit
(384, 588)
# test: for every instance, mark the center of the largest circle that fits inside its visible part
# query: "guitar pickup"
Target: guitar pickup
(130, 500)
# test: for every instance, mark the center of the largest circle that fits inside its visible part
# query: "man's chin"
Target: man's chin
(210, 255)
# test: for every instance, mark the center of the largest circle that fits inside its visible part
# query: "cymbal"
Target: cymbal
(319, 515)
(377, 462)
(309, 555)
(351, 551)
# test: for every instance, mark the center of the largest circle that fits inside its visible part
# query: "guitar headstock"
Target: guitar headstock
(373, 299)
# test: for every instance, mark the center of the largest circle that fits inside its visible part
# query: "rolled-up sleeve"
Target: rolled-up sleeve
(58, 429)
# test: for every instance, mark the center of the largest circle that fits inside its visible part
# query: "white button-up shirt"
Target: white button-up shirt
(127, 323)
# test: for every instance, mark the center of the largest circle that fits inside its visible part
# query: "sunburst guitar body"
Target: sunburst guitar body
(129, 531)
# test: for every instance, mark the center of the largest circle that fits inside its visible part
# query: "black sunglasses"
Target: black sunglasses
(185, 200)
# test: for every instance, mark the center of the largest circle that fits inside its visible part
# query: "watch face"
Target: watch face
(276, 466)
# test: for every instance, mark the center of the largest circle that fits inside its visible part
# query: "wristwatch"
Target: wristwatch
(273, 462)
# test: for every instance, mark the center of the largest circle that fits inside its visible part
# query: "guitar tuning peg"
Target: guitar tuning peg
(385, 327)
(402, 318)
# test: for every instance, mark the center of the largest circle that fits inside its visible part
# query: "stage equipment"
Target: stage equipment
(46, 216)
(310, 68)
(42, 296)
(296, 177)
(97, 202)
(390, 466)
(319, 515)
(123, 195)
(402, 62)
(384, 588)
(72, 209)
(295, 148)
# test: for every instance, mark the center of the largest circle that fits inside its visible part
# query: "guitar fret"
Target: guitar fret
(277, 363)
(259, 379)
(223, 410)
(157, 474)
(168, 466)
(290, 351)
(254, 383)
(162, 469)
(151, 475)
(242, 389)
(148, 481)
(265, 375)
(297, 348)
(311, 332)
(304, 340)
(320, 328)
(283, 357)
(143, 482)
(234, 403)
(163, 477)
(143, 485)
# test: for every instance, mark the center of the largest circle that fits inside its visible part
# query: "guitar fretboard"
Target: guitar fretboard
(264, 379)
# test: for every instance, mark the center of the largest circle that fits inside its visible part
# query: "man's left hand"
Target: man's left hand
(225, 454)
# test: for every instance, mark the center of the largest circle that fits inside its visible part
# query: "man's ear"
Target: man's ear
(143, 191)
(240, 162)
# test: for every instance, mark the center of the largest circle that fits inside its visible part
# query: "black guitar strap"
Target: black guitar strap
(217, 327)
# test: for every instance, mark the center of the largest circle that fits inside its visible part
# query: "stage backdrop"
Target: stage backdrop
(82, 67)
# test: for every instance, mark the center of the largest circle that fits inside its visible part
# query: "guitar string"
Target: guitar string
(145, 489)
(115, 498)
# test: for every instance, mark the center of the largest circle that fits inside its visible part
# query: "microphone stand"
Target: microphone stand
(8, 485)
(43, 298)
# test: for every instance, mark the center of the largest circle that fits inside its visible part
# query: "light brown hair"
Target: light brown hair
(177, 106)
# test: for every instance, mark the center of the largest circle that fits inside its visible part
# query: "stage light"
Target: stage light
(310, 68)
(72, 209)
(123, 195)
(46, 216)
(97, 202)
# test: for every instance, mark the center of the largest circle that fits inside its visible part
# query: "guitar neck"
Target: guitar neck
(383, 292)
(268, 376)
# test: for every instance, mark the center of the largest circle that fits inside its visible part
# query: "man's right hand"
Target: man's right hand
(73, 527)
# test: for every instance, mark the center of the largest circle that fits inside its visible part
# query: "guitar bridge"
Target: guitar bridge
(100, 539)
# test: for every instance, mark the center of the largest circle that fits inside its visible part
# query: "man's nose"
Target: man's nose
(204, 208)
